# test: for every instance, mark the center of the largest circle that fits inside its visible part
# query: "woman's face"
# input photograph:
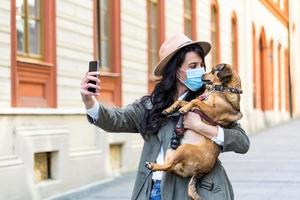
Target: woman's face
(192, 61)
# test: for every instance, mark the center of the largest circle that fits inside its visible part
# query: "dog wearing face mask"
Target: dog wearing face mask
(218, 105)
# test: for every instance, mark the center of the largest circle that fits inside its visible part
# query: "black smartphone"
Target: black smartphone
(93, 67)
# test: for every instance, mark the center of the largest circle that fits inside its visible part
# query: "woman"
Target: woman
(180, 68)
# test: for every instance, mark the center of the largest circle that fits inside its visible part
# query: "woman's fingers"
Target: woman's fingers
(85, 84)
(191, 120)
(90, 78)
(88, 93)
(91, 85)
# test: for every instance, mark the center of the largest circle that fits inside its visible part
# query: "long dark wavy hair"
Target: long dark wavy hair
(165, 90)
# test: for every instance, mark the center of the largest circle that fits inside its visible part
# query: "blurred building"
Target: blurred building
(46, 144)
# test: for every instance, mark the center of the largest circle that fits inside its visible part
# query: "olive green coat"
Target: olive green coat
(173, 187)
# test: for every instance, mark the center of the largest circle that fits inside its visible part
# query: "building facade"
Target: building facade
(46, 144)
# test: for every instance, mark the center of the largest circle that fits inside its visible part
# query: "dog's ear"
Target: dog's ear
(225, 74)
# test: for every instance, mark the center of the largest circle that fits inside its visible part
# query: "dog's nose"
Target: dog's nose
(203, 76)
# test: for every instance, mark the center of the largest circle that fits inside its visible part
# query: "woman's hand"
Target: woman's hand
(88, 97)
(193, 122)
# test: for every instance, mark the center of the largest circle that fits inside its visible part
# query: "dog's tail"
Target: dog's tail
(192, 190)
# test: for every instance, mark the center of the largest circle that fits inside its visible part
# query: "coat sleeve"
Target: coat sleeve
(235, 139)
(126, 119)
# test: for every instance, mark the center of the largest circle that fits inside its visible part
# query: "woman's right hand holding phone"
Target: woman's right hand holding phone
(90, 80)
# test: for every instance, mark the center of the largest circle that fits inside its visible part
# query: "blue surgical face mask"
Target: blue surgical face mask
(193, 78)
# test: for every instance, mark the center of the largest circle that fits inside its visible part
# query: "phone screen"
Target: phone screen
(93, 66)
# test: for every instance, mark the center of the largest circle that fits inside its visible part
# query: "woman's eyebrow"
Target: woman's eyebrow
(192, 63)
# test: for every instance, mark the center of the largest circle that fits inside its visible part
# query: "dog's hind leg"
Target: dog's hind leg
(192, 189)
(173, 159)
(157, 167)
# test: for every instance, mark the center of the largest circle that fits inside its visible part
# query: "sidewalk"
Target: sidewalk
(269, 171)
(271, 168)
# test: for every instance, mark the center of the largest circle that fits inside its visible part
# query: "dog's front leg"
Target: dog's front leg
(208, 110)
(173, 107)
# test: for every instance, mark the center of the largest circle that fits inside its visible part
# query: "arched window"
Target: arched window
(255, 78)
(234, 42)
(279, 77)
(270, 80)
(215, 50)
(262, 70)
(286, 80)
(266, 73)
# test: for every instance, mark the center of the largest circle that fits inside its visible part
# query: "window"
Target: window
(103, 33)
(115, 151)
(28, 23)
(234, 42)
(33, 53)
(107, 49)
(279, 78)
(215, 33)
(153, 35)
(271, 76)
(287, 80)
(42, 166)
(190, 19)
(265, 78)
(255, 73)
(155, 23)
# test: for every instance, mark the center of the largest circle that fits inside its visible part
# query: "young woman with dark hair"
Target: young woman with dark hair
(165, 91)
(180, 70)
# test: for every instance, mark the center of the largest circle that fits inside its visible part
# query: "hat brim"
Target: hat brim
(159, 69)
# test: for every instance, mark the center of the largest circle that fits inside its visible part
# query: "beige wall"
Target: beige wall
(83, 149)
(5, 95)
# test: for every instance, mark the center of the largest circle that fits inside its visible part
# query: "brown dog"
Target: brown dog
(218, 105)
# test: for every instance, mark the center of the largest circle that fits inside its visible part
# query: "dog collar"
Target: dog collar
(221, 88)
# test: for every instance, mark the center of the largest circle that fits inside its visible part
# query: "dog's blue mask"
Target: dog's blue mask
(193, 78)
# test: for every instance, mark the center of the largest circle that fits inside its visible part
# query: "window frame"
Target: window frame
(235, 38)
(35, 71)
(214, 6)
(279, 59)
(26, 18)
(160, 38)
(110, 80)
(193, 19)
(255, 69)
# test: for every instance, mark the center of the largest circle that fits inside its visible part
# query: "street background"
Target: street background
(269, 171)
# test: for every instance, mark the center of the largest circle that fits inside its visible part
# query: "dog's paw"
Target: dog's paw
(148, 165)
(165, 112)
(182, 111)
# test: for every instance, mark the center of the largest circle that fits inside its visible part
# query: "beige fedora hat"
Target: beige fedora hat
(172, 45)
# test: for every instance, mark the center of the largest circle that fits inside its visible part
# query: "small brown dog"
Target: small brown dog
(218, 105)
